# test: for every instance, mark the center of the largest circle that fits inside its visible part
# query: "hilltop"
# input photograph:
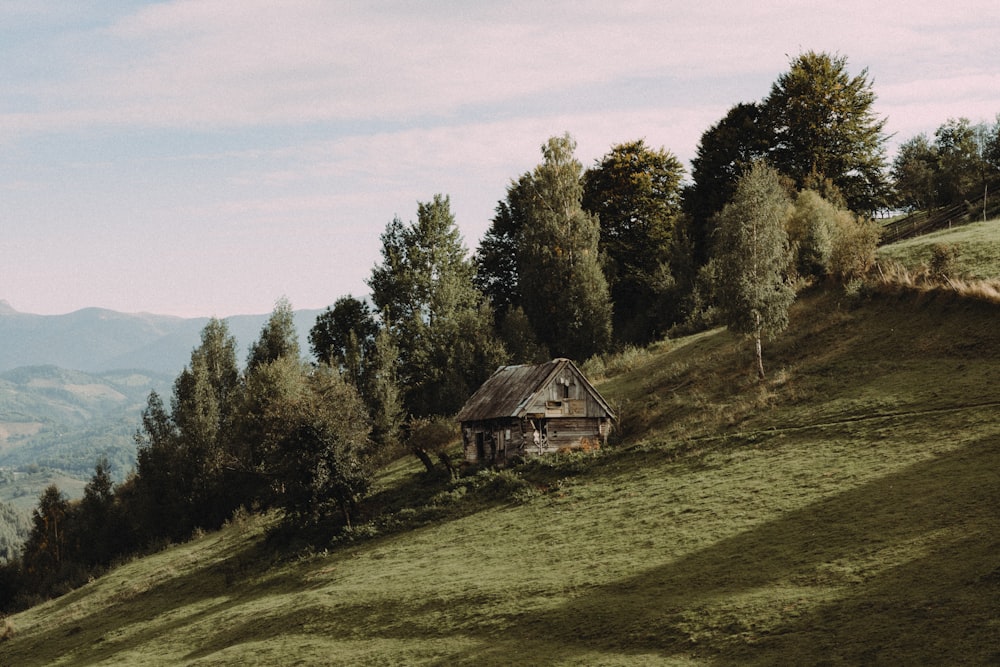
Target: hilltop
(844, 511)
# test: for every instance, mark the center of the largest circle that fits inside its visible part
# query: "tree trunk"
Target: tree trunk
(424, 457)
(760, 357)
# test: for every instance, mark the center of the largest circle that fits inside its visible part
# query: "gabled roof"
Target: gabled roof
(512, 388)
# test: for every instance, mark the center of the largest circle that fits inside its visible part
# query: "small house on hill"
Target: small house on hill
(530, 410)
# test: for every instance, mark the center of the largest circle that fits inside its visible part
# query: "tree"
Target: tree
(318, 444)
(203, 408)
(97, 536)
(424, 289)
(277, 337)
(914, 174)
(635, 193)
(43, 552)
(960, 148)
(751, 250)
(343, 336)
(162, 490)
(563, 290)
(811, 227)
(725, 152)
(382, 393)
(822, 126)
(497, 275)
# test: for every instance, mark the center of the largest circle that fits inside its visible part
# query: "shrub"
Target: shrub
(943, 258)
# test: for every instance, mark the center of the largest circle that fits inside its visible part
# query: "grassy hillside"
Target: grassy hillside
(977, 245)
(843, 512)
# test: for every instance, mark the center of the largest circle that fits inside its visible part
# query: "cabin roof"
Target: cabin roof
(510, 389)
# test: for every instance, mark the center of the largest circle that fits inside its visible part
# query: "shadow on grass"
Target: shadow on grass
(928, 593)
(901, 570)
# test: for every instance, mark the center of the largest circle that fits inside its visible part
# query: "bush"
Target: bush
(943, 259)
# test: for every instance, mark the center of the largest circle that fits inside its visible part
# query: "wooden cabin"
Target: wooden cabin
(530, 410)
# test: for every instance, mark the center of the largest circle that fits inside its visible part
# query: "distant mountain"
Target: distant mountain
(95, 340)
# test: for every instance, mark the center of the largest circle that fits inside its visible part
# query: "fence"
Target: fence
(986, 205)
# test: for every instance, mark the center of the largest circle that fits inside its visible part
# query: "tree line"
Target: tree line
(576, 262)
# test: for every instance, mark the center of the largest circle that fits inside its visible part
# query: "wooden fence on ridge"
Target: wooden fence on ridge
(925, 222)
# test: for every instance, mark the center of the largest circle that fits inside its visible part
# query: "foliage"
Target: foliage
(726, 150)
(46, 545)
(752, 253)
(14, 528)
(956, 166)
(344, 335)
(318, 452)
(822, 126)
(914, 174)
(855, 244)
(635, 192)
(382, 393)
(277, 337)
(425, 291)
(943, 259)
(519, 338)
(497, 273)
(431, 436)
(563, 290)
(829, 241)
(811, 228)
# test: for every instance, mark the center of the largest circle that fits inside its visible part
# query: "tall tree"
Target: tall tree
(344, 335)
(751, 252)
(206, 397)
(564, 292)
(726, 150)
(44, 551)
(497, 275)
(914, 174)
(961, 160)
(277, 337)
(823, 126)
(382, 393)
(424, 287)
(636, 193)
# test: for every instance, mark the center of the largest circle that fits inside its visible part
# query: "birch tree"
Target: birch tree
(751, 250)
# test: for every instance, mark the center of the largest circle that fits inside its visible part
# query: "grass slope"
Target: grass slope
(978, 246)
(844, 512)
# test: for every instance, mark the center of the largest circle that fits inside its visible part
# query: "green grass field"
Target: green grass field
(978, 246)
(844, 512)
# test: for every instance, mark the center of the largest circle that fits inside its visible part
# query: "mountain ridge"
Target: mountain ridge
(96, 340)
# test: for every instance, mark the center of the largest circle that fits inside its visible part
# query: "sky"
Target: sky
(209, 157)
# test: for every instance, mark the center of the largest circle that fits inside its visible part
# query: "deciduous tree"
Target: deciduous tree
(430, 305)
(822, 126)
(751, 250)
(636, 193)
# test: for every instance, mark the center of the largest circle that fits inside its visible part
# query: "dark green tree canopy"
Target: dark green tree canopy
(822, 126)
(497, 274)
(635, 192)
(344, 335)
(425, 291)
(726, 150)
(564, 292)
